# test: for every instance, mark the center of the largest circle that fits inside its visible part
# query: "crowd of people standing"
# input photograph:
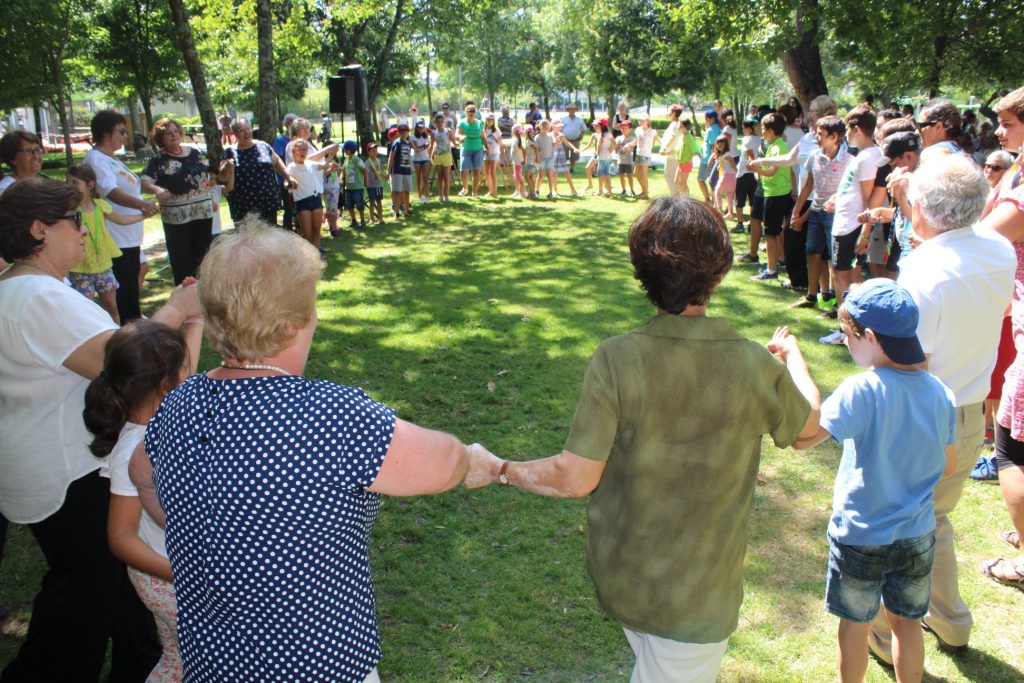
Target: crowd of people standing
(216, 525)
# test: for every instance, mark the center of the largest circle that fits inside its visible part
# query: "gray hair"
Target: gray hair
(823, 106)
(239, 123)
(288, 118)
(299, 123)
(1000, 157)
(949, 192)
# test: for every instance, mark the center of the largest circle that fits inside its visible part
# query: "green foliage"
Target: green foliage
(225, 32)
(134, 49)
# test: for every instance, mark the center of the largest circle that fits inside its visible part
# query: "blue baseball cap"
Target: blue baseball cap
(888, 310)
(350, 146)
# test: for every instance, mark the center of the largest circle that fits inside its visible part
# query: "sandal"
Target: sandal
(1011, 537)
(987, 567)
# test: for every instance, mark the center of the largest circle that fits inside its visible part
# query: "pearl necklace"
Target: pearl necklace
(254, 366)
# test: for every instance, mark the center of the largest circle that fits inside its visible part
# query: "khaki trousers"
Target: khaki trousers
(948, 616)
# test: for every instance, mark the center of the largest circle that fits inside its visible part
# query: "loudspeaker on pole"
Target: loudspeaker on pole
(347, 90)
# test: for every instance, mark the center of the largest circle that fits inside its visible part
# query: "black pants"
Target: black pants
(74, 612)
(288, 220)
(796, 256)
(126, 271)
(187, 244)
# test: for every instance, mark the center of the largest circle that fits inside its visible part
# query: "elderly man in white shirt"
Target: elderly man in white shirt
(962, 281)
(573, 128)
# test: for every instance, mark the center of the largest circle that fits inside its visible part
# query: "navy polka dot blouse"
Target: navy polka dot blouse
(268, 525)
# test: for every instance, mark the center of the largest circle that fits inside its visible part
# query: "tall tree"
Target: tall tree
(135, 51)
(266, 97)
(40, 41)
(196, 73)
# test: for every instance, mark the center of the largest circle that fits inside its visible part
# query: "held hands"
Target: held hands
(185, 299)
(150, 209)
(863, 244)
(162, 195)
(783, 343)
(830, 204)
(291, 182)
(483, 467)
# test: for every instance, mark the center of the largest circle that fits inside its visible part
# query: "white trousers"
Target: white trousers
(661, 660)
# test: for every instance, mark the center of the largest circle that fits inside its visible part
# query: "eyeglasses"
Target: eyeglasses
(34, 151)
(993, 167)
(921, 125)
(75, 217)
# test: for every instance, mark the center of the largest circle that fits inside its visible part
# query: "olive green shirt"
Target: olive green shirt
(677, 409)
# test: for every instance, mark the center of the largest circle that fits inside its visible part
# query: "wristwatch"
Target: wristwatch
(503, 474)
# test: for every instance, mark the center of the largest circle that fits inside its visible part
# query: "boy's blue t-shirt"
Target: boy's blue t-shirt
(895, 426)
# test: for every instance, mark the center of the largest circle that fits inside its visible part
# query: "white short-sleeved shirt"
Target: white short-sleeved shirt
(112, 174)
(734, 142)
(806, 148)
(309, 176)
(645, 141)
(849, 199)
(670, 138)
(962, 281)
(751, 143)
(121, 483)
(44, 445)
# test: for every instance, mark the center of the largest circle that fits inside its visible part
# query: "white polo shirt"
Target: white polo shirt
(962, 281)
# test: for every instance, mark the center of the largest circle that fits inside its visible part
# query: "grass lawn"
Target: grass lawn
(478, 318)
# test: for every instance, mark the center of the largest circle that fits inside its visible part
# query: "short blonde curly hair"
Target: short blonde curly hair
(257, 287)
(162, 127)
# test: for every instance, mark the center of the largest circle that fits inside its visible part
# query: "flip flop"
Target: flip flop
(1011, 537)
(986, 567)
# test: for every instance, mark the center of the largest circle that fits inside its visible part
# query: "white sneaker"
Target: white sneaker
(836, 338)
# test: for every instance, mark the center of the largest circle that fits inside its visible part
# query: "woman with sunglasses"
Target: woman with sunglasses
(120, 186)
(995, 167)
(51, 345)
(23, 153)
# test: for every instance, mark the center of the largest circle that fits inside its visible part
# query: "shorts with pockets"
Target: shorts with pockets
(775, 211)
(844, 252)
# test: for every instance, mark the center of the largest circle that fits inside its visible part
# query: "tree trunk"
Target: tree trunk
(147, 108)
(490, 80)
(430, 101)
(941, 42)
(590, 105)
(196, 74)
(544, 99)
(37, 118)
(375, 76)
(802, 61)
(266, 95)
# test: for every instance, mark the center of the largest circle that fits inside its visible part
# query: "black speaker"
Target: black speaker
(347, 91)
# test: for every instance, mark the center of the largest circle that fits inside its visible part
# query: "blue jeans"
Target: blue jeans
(859, 576)
(472, 160)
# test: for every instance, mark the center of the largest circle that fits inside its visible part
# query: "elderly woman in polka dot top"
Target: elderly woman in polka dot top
(271, 482)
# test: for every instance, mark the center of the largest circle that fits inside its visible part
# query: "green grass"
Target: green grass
(478, 318)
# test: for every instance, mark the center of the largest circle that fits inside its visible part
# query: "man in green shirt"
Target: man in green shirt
(667, 439)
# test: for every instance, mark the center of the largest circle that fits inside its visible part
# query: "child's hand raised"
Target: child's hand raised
(782, 343)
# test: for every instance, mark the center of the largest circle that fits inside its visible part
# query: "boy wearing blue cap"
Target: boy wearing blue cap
(354, 177)
(897, 423)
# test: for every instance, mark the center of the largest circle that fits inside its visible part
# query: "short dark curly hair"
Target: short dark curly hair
(104, 123)
(10, 143)
(681, 251)
(25, 202)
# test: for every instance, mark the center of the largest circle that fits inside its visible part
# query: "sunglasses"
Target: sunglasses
(993, 167)
(921, 125)
(75, 217)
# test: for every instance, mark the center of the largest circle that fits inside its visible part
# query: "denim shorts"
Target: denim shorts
(819, 233)
(472, 159)
(704, 172)
(604, 167)
(859, 576)
(354, 199)
(642, 160)
(420, 162)
(310, 203)
(547, 164)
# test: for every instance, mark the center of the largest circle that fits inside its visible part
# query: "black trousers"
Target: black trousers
(796, 256)
(81, 597)
(288, 220)
(187, 244)
(126, 271)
